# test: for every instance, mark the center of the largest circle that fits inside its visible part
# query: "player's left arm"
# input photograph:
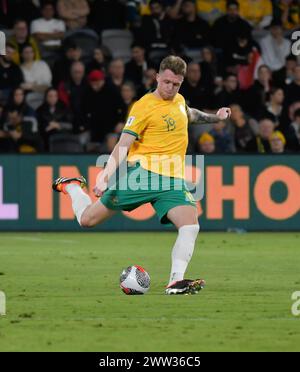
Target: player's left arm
(199, 117)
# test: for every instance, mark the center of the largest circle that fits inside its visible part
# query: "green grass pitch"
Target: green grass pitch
(63, 295)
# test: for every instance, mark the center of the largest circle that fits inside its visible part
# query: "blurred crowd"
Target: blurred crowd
(74, 68)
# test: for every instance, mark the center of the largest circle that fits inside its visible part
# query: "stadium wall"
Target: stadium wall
(259, 192)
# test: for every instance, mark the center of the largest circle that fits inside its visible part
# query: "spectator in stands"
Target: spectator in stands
(102, 107)
(272, 98)
(288, 114)
(274, 105)
(133, 14)
(293, 90)
(100, 61)
(261, 143)
(173, 8)
(150, 79)
(77, 75)
(256, 95)
(241, 128)
(226, 28)
(128, 94)
(48, 30)
(138, 8)
(248, 62)
(238, 52)
(274, 47)
(191, 31)
(206, 144)
(210, 68)
(293, 133)
(37, 77)
(18, 134)
(156, 31)
(195, 93)
(137, 66)
(257, 12)
(71, 92)
(20, 39)
(277, 142)
(73, 12)
(230, 92)
(61, 68)
(10, 74)
(17, 102)
(223, 139)
(211, 10)
(288, 12)
(53, 116)
(116, 73)
(285, 75)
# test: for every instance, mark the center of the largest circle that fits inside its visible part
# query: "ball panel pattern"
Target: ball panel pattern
(125, 274)
(142, 278)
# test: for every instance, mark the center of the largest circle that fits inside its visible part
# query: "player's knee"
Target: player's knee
(192, 228)
(195, 228)
(193, 223)
(86, 221)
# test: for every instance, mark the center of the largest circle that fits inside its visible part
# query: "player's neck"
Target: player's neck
(157, 95)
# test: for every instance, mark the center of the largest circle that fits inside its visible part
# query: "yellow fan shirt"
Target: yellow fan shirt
(255, 10)
(161, 131)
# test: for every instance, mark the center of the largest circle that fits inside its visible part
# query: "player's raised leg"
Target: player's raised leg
(186, 221)
(88, 214)
(95, 214)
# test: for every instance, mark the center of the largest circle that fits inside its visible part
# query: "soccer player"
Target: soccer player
(155, 132)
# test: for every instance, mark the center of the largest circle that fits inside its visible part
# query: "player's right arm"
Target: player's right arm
(134, 126)
(116, 157)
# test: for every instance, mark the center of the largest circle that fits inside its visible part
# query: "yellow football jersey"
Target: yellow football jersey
(161, 131)
(255, 10)
(211, 10)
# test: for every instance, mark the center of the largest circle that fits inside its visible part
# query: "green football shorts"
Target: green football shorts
(141, 186)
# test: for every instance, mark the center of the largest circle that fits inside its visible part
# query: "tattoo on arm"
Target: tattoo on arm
(200, 117)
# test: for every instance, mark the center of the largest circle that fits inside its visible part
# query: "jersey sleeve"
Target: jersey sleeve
(137, 120)
(186, 107)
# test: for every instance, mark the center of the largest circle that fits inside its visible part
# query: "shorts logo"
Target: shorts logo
(130, 120)
(189, 197)
(114, 199)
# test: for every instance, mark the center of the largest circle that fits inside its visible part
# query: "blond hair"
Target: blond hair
(279, 135)
(173, 63)
(206, 137)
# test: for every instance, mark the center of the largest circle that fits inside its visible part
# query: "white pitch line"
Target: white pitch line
(168, 319)
(43, 240)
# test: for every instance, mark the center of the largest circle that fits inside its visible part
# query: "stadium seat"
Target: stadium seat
(118, 42)
(65, 143)
(194, 54)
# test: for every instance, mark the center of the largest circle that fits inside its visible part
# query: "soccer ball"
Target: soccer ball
(134, 280)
